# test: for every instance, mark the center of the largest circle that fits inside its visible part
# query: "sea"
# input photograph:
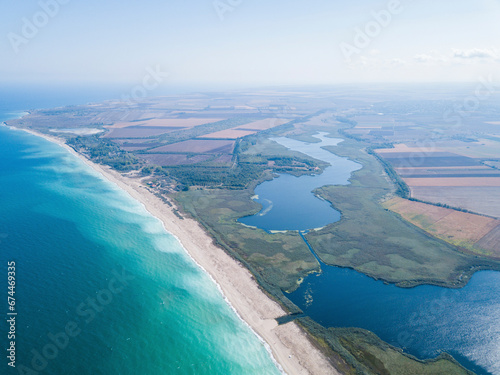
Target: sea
(100, 286)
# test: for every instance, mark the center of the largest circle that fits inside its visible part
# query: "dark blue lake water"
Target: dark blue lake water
(288, 202)
(423, 321)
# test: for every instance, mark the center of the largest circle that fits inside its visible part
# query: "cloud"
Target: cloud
(377, 63)
(431, 58)
(396, 62)
(457, 57)
(475, 53)
(423, 58)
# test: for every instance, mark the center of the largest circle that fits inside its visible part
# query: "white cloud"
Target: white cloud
(475, 53)
(376, 63)
(431, 58)
(457, 57)
(396, 62)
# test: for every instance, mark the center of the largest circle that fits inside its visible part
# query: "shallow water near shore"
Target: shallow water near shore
(424, 321)
(88, 255)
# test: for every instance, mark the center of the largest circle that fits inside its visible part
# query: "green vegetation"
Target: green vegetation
(402, 188)
(237, 177)
(346, 120)
(102, 151)
(366, 354)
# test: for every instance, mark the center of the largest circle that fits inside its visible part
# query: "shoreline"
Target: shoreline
(288, 344)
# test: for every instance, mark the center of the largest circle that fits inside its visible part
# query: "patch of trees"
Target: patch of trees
(248, 169)
(105, 152)
(210, 176)
(345, 134)
(346, 120)
(245, 143)
(289, 161)
(402, 188)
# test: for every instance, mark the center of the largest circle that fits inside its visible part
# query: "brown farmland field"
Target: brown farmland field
(454, 181)
(182, 122)
(374, 119)
(448, 172)
(229, 134)
(483, 149)
(139, 131)
(483, 199)
(199, 146)
(439, 176)
(167, 122)
(474, 167)
(401, 147)
(433, 159)
(491, 241)
(450, 225)
(132, 140)
(174, 159)
(268, 123)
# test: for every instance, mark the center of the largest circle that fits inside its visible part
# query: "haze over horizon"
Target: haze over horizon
(247, 43)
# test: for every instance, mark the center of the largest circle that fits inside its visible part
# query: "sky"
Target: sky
(248, 42)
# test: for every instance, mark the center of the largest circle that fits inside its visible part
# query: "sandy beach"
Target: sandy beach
(288, 343)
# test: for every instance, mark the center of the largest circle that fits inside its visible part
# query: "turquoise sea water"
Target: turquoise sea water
(423, 321)
(91, 262)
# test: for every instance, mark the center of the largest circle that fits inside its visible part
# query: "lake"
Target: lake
(307, 210)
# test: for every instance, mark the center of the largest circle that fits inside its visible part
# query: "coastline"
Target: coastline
(288, 344)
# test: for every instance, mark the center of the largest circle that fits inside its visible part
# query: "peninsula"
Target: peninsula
(195, 161)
